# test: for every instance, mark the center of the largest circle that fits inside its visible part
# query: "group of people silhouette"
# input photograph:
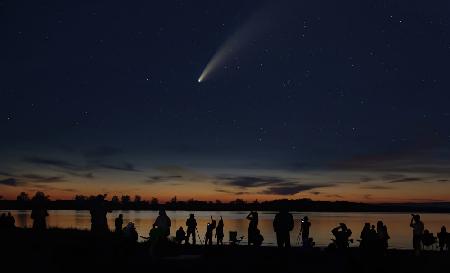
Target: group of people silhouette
(7, 221)
(372, 237)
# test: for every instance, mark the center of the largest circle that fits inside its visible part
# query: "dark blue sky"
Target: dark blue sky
(325, 95)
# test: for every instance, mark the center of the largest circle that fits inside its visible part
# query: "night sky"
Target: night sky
(329, 100)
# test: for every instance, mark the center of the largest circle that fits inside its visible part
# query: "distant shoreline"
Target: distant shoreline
(300, 205)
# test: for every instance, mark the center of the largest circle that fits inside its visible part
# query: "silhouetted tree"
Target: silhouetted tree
(115, 200)
(173, 200)
(80, 198)
(40, 197)
(137, 199)
(239, 201)
(23, 197)
(154, 201)
(125, 199)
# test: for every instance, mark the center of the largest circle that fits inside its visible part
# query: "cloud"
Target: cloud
(365, 179)
(162, 178)
(232, 192)
(124, 167)
(6, 174)
(390, 177)
(52, 163)
(407, 179)
(253, 181)
(335, 196)
(71, 168)
(36, 178)
(187, 174)
(9, 182)
(367, 196)
(376, 187)
(102, 151)
(270, 184)
(291, 190)
(82, 175)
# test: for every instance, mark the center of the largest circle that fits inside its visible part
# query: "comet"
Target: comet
(249, 33)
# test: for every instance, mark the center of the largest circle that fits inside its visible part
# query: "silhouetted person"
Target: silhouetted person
(99, 222)
(219, 232)
(365, 237)
(373, 238)
(418, 228)
(282, 225)
(130, 233)
(342, 235)
(3, 221)
(428, 239)
(382, 236)
(157, 238)
(209, 231)
(191, 224)
(180, 236)
(118, 223)
(163, 222)
(443, 237)
(252, 226)
(10, 221)
(39, 211)
(304, 230)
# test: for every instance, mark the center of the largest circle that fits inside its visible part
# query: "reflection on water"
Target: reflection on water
(322, 223)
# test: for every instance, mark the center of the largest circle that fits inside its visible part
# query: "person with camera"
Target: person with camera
(418, 227)
(304, 231)
(342, 235)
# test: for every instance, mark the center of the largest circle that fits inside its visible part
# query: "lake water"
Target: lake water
(322, 223)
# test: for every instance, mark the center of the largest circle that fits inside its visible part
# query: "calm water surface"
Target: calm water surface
(322, 223)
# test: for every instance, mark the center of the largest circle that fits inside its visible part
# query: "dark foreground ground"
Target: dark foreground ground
(80, 251)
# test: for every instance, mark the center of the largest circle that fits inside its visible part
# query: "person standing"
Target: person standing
(99, 222)
(118, 223)
(443, 237)
(365, 237)
(382, 236)
(252, 226)
(191, 224)
(163, 222)
(418, 227)
(304, 231)
(39, 211)
(209, 231)
(282, 225)
(10, 221)
(219, 232)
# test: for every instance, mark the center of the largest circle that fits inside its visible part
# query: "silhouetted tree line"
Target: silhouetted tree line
(126, 202)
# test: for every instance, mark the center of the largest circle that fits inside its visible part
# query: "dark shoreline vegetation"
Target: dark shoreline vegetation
(73, 250)
(237, 205)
